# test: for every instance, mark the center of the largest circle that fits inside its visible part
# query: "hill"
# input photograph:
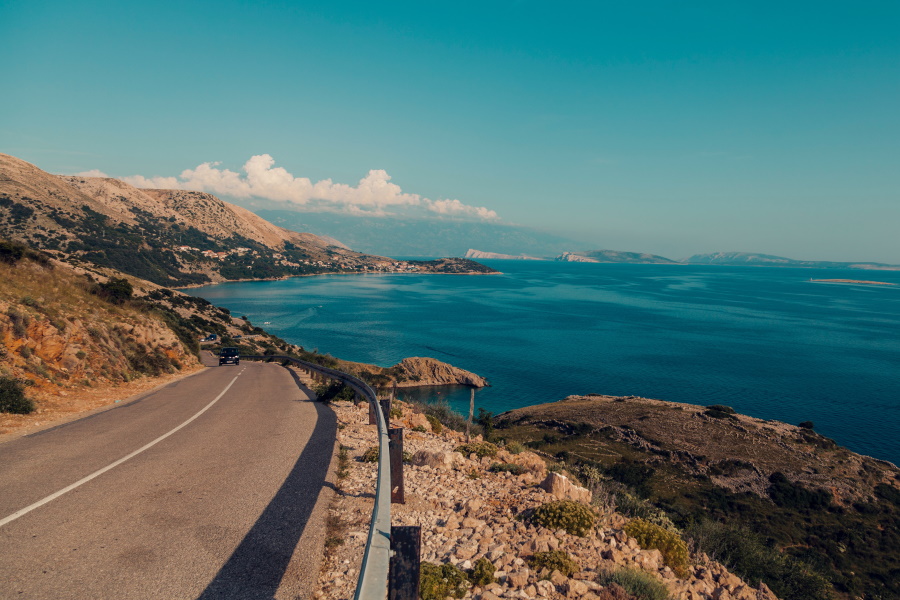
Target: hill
(768, 260)
(470, 253)
(170, 237)
(614, 256)
(770, 500)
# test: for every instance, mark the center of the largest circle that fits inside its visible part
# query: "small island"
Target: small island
(852, 281)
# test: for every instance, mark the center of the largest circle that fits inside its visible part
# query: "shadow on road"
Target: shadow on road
(255, 569)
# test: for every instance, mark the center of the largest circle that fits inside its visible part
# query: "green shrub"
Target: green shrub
(12, 397)
(482, 573)
(436, 426)
(507, 468)
(436, 582)
(638, 508)
(638, 584)
(515, 448)
(722, 408)
(371, 455)
(674, 550)
(479, 449)
(888, 492)
(486, 420)
(554, 560)
(634, 474)
(396, 412)
(576, 518)
(420, 429)
(20, 322)
(719, 414)
(807, 425)
(332, 391)
(12, 252)
(115, 291)
(784, 493)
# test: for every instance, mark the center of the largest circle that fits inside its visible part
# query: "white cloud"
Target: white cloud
(91, 173)
(374, 195)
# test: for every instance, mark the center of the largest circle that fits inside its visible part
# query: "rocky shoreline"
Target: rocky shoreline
(467, 512)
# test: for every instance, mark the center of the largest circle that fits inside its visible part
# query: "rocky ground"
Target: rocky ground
(467, 512)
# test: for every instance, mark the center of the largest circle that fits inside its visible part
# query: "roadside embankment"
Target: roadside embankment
(478, 514)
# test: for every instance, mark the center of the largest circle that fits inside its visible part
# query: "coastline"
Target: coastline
(286, 277)
(852, 282)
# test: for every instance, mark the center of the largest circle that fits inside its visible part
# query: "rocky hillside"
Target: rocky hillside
(421, 371)
(479, 254)
(171, 237)
(767, 498)
(497, 524)
(614, 256)
(70, 342)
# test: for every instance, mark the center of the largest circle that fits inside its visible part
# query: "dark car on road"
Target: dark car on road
(229, 356)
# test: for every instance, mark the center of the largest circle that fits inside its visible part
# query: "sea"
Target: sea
(769, 342)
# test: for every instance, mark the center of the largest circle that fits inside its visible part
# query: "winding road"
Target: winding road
(206, 488)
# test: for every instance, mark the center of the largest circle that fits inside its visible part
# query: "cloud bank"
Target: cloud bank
(91, 173)
(374, 195)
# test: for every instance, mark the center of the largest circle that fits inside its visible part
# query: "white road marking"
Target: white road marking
(100, 472)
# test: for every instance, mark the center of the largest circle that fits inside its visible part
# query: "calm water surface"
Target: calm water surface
(766, 341)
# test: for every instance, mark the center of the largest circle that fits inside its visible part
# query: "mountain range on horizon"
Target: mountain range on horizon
(405, 237)
(713, 258)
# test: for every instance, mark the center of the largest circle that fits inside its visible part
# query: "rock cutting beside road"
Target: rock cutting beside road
(467, 512)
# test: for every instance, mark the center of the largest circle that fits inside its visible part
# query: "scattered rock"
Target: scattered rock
(560, 487)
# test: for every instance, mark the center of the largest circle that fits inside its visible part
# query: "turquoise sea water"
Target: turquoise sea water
(766, 341)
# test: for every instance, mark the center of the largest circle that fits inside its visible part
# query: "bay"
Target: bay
(767, 341)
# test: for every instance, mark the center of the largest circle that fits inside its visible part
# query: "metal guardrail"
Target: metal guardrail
(373, 573)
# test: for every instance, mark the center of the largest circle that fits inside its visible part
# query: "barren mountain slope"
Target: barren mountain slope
(171, 237)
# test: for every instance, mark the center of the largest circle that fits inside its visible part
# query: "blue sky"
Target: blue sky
(665, 127)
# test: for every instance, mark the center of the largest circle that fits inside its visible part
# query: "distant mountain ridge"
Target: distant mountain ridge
(470, 253)
(394, 236)
(615, 256)
(768, 260)
(714, 258)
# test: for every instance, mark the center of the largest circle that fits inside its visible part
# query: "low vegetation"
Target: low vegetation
(479, 449)
(638, 584)
(12, 397)
(554, 560)
(437, 582)
(674, 550)
(482, 572)
(576, 518)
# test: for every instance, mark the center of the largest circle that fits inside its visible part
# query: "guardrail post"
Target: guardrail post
(386, 409)
(373, 420)
(403, 582)
(395, 447)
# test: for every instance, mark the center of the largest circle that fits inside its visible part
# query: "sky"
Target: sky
(667, 127)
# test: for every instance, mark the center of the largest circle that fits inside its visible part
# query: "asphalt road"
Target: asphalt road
(224, 507)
